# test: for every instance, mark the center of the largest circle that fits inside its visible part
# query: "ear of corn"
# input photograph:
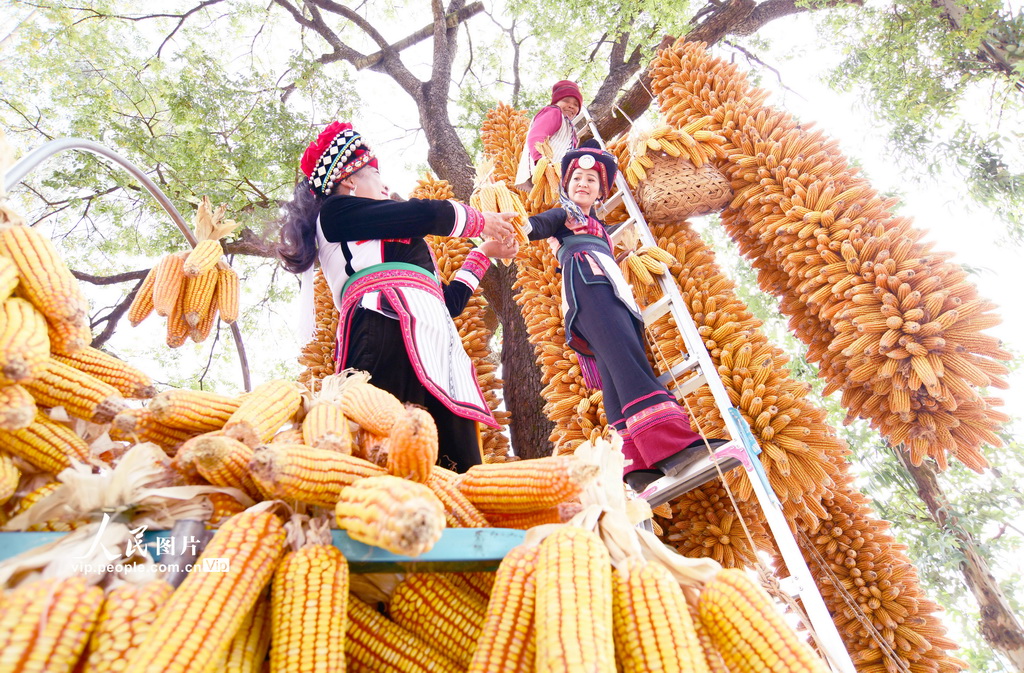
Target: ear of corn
(17, 407)
(194, 628)
(227, 294)
(49, 445)
(128, 380)
(317, 355)
(203, 258)
(653, 627)
(168, 283)
(374, 643)
(435, 609)
(522, 521)
(142, 304)
(223, 461)
(476, 585)
(263, 411)
(395, 514)
(747, 630)
(139, 425)
(507, 640)
(224, 507)
(199, 294)
(202, 329)
(81, 394)
(525, 485)
(45, 625)
(248, 650)
(412, 445)
(310, 604)
(325, 427)
(459, 512)
(10, 475)
(374, 409)
(313, 476)
(195, 410)
(44, 278)
(128, 612)
(8, 277)
(178, 330)
(24, 341)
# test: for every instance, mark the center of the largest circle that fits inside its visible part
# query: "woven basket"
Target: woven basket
(674, 190)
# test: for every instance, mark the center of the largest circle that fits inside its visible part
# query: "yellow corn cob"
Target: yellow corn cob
(312, 476)
(412, 445)
(459, 512)
(168, 283)
(435, 609)
(224, 507)
(127, 613)
(223, 461)
(248, 650)
(139, 425)
(325, 427)
(525, 485)
(30, 499)
(291, 436)
(227, 294)
(747, 630)
(203, 258)
(574, 603)
(203, 328)
(8, 277)
(45, 279)
(199, 294)
(128, 380)
(558, 514)
(310, 603)
(45, 625)
(49, 445)
(653, 628)
(263, 412)
(195, 410)
(374, 643)
(10, 475)
(17, 407)
(178, 330)
(476, 585)
(375, 410)
(24, 342)
(142, 304)
(507, 641)
(712, 658)
(194, 628)
(400, 516)
(82, 395)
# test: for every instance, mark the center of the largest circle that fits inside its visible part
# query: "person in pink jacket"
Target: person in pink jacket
(554, 124)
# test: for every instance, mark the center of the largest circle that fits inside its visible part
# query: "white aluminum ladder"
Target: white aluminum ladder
(741, 451)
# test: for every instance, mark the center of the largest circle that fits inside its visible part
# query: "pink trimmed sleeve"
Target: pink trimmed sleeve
(473, 269)
(545, 124)
(469, 222)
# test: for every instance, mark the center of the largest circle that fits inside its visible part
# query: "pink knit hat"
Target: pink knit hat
(565, 89)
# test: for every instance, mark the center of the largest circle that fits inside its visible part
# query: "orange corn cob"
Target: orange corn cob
(199, 293)
(435, 609)
(507, 641)
(142, 304)
(203, 258)
(312, 476)
(168, 283)
(49, 445)
(45, 625)
(400, 516)
(24, 341)
(30, 499)
(128, 380)
(17, 408)
(224, 507)
(263, 412)
(139, 425)
(525, 485)
(574, 603)
(374, 643)
(477, 585)
(10, 475)
(82, 395)
(310, 604)
(227, 294)
(459, 512)
(325, 427)
(8, 277)
(223, 461)
(128, 612)
(45, 279)
(412, 445)
(195, 627)
(374, 409)
(195, 410)
(558, 514)
(248, 650)
(291, 436)
(206, 322)
(178, 330)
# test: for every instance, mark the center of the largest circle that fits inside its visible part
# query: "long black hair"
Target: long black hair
(297, 249)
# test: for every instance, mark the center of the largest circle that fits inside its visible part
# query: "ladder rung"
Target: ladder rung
(610, 205)
(678, 370)
(657, 309)
(688, 386)
(621, 228)
(700, 472)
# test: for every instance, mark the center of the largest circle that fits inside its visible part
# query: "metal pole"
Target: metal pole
(17, 173)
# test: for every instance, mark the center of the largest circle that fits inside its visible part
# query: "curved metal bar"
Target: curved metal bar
(30, 161)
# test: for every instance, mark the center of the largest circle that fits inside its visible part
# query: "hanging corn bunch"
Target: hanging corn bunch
(494, 196)
(189, 288)
(503, 134)
(547, 176)
(691, 141)
(894, 326)
(318, 354)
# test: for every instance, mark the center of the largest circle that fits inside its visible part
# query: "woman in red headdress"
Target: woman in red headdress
(604, 326)
(554, 124)
(395, 316)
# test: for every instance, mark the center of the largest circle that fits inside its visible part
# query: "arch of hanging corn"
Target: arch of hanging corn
(893, 325)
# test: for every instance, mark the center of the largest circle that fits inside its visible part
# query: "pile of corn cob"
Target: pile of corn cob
(317, 354)
(189, 288)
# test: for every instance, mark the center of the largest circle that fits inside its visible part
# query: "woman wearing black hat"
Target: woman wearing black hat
(395, 317)
(604, 326)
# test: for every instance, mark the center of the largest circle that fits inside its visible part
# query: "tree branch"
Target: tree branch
(113, 317)
(110, 280)
(420, 35)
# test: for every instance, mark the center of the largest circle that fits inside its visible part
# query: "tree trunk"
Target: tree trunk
(999, 626)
